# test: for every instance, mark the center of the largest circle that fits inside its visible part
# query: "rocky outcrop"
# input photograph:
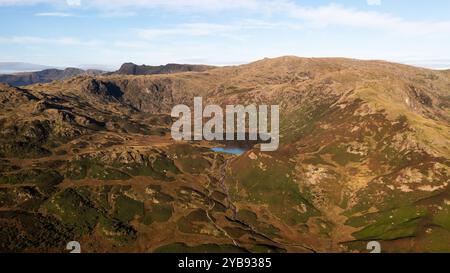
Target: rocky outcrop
(104, 89)
(10, 96)
(133, 69)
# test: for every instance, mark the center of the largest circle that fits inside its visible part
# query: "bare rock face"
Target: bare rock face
(128, 69)
(150, 97)
(105, 89)
(144, 94)
(133, 69)
(132, 156)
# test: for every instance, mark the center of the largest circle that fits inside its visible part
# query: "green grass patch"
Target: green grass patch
(340, 155)
(271, 185)
(126, 208)
(158, 213)
(442, 218)
(389, 225)
(74, 210)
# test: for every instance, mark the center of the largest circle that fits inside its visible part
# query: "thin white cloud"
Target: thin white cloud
(25, 2)
(131, 44)
(319, 16)
(117, 13)
(190, 29)
(73, 3)
(53, 14)
(207, 29)
(177, 4)
(139, 4)
(336, 15)
(373, 2)
(35, 40)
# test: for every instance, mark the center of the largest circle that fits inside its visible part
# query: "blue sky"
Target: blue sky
(220, 32)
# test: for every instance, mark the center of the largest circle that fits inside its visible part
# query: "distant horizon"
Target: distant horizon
(79, 33)
(427, 64)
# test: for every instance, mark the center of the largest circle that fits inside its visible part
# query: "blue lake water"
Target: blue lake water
(228, 150)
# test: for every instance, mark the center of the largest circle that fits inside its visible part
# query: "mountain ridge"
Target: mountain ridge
(134, 69)
(45, 76)
(51, 74)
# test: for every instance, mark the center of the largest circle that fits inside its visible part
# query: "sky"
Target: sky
(106, 33)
